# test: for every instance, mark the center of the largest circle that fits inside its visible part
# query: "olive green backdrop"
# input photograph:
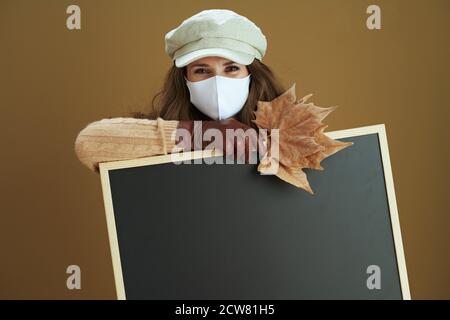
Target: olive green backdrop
(54, 81)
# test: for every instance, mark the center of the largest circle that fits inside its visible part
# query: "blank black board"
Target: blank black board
(200, 231)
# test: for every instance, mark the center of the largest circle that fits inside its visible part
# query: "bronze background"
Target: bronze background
(54, 81)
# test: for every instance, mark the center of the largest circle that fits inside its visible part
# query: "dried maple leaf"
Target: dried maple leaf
(302, 142)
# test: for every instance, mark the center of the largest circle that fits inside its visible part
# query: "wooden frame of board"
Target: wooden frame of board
(347, 133)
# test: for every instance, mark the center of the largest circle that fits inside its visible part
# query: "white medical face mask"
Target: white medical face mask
(219, 97)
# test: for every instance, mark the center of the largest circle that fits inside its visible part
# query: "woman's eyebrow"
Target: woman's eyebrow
(200, 65)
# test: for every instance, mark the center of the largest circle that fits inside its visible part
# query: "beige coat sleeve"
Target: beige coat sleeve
(124, 138)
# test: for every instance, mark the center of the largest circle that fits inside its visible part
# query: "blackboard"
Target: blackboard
(214, 231)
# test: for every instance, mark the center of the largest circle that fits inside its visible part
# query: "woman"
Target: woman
(203, 47)
(218, 77)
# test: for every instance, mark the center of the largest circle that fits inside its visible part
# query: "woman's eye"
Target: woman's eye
(228, 69)
(233, 68)
(200, 70)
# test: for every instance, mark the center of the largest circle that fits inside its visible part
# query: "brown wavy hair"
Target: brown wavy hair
(173, 101)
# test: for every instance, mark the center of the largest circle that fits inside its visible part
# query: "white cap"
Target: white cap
(216, 32)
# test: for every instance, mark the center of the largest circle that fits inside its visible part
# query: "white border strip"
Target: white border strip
(395, 221)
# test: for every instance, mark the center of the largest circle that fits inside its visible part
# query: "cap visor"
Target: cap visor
(238, 57)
